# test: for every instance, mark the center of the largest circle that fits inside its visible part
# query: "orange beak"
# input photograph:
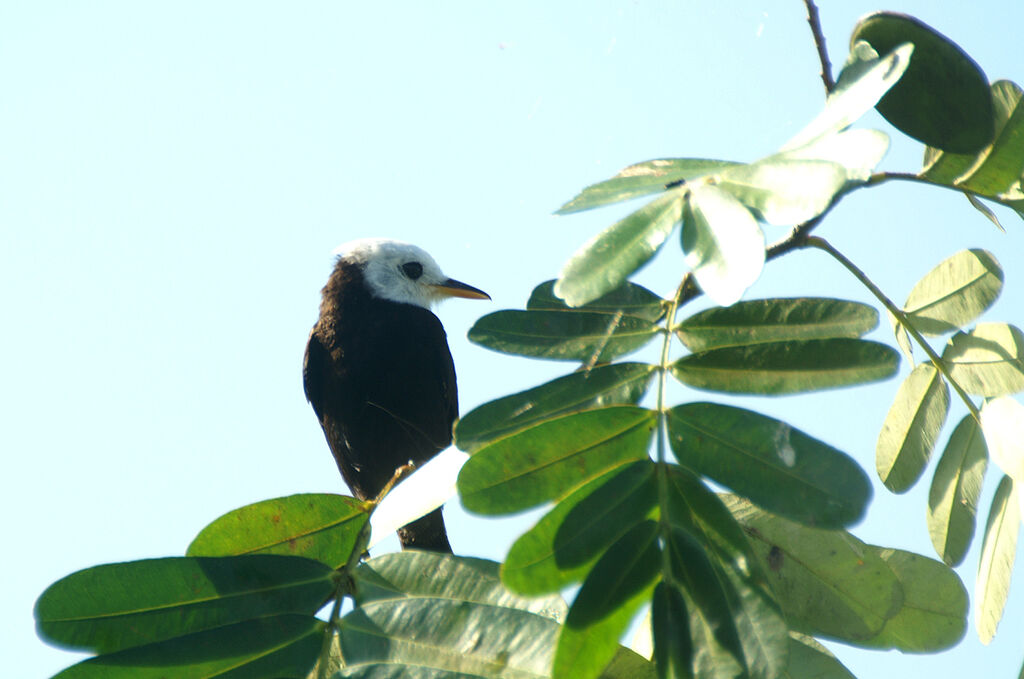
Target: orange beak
(454, 288)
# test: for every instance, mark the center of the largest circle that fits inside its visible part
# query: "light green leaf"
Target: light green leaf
(629, 299)
(788, 367)
(317, 526)
(988, 360)
(605, 261)
(1002, 421)
(956, 486)
(784, 191)
(773, 320)
(723, 244)
(911, 428)
(548, 461)
(1001, 164)
(858, 151)
(955, 292)
(810, 660)
(641, 179)
(780, 468)
(998, 551)
(984, 209)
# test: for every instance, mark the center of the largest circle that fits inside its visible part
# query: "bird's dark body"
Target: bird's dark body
(381, 380)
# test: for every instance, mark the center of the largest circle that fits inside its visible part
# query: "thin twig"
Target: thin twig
(819, 42)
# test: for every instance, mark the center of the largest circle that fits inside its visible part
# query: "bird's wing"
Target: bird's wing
(315, 368)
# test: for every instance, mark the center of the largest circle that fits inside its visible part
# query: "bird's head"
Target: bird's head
(402, 272)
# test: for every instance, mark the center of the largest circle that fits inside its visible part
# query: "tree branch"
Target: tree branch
(819, 43)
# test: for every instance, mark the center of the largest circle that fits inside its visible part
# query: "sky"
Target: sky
(175, 175)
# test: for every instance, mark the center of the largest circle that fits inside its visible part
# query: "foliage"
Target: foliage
(737, 583)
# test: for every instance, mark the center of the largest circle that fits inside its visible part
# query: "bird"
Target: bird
(378, 371)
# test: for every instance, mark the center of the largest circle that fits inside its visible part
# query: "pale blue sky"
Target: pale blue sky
(175, 175)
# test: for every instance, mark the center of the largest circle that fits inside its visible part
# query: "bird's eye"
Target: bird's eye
(413, 269)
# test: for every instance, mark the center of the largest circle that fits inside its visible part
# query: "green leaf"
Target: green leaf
(1002, 421)
(787, 367)
(858, 151)
(275, 647)
(589, 336)
(779, 468)
(998, 551)
(670, 629)
(605, 261)
(763, 631)
(984, 209)
(620, 582)
(773, 320)
(612, 384)
(943, 98)
(318, 526)
(545, 462)
(533, 566)
(810, 660)
(629, 298)
(861, 84)
(641, 179)
(934, 612)
(116, 606)
(911, 428)
(988, 360)
(724, 246)
(422, 614)
(627, 664)
(955, 292)
(828, 583)
(956, 486)
(785, 191)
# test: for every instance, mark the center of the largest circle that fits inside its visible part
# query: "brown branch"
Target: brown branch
(819, 42)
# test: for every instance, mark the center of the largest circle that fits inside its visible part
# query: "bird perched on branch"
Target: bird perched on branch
(378, 371)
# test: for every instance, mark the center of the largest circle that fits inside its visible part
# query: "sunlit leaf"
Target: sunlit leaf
(547, 461)
(780, 468)
(1002, 421)
(956, 486)
(998, 551)
(955, 292)
(1001, 164)
(641, 179)
(317, 526)
(787, 367)
(589, 336)
(911, 428)
(988, 360)
(620, 582)
(274, 647)
(984, 209)
(629, 298)
(670, 629)
(605, 261)
(773, 320)
(612, 384)
(942, 99)
(858, 151)
(784, 191)
(723, 244)
(116, 606)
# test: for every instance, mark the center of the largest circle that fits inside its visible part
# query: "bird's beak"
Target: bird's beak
(454, 288)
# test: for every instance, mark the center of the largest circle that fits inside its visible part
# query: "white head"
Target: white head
(402, 272)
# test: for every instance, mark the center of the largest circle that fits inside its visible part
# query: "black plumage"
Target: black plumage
(379, 374)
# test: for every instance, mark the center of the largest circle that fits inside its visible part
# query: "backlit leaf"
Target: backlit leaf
(810, 660)
(858, 151)
(988, 360)
(629, 298)
(998, 551)
(955, 292)
(956, 486)
(670, 629)
(911, 428)
(1002, 421)
(784, 191)
(1001, 164)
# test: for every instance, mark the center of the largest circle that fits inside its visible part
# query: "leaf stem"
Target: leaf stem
(814, 21)
(901, 318)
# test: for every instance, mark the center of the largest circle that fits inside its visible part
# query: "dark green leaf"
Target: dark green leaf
(988, 360)
(911, 428)
(620, 582)
(629, 298)
(934, 613)
(773, 320)
(275, 647)
(955, 292)
(116, 606)
(943, 98)
(317, 526)
(787, 367)
(785, 191)
(763, 630)
(612, 384)
(670, 629)
(998, 551)
(628, 664)
(956, 486)
(780, 468)
(547, 461)
(651, 176)
(828, 583)
(588, 336)
(604, 262)
(723, 243)
(810, 660)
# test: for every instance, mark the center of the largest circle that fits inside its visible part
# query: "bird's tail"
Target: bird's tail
(427, 533)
